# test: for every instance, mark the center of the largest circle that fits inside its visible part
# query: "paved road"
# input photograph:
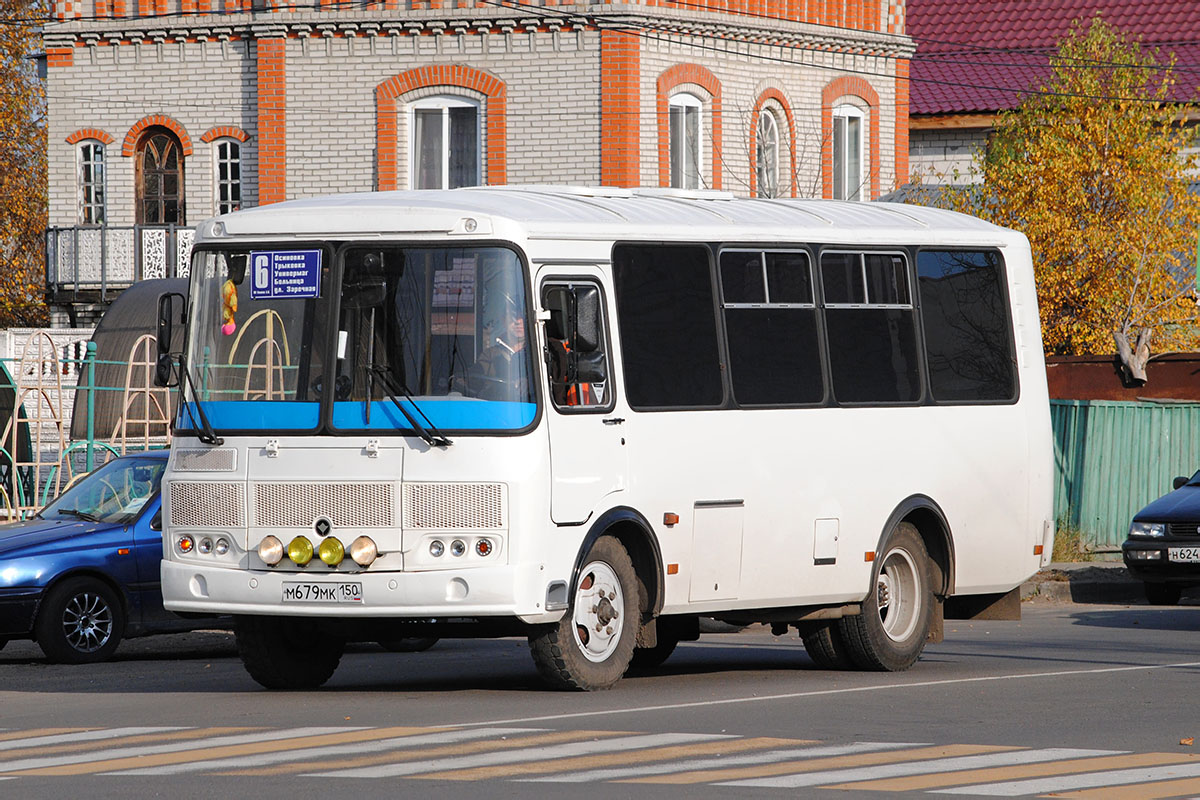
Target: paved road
(1081, 700)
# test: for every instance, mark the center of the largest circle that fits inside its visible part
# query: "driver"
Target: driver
(502, 363)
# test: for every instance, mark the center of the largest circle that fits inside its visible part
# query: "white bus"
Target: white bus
(595, 417)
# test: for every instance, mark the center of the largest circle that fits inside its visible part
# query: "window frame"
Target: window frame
(843, 113)
(767, 115)
(553, 281)
(444, 102)
(681, 106)
(141, 198)
(83, 149)
(218, 182)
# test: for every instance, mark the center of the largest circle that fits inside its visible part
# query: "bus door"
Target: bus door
(587, 437)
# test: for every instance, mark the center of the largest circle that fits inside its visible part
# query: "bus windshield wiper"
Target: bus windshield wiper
(205, 434)
(428, 432)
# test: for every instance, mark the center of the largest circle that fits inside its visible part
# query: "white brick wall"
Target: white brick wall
(945, 156)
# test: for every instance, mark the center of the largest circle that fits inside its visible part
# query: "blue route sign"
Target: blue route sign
(285, 274)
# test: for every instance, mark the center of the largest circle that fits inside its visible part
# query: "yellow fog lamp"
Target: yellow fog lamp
(331, 551)
(363, 551)
(270, 550)
(300, 550)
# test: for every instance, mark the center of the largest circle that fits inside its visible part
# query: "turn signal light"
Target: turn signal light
(484, 547)
(300, 550)
(185, 544)
(270, 550)
(363, 551)
(331, 551)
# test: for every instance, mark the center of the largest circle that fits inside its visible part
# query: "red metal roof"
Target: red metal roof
(981, 56)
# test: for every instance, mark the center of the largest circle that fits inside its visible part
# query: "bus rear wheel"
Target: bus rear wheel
(826, 646)
(283, 653)
(890, 633)
(591, 646)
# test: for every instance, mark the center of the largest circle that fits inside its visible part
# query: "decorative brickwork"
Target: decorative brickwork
(58, 57)
(225, 132)
(901, 153)
(131, 138)
(450, 76)
(620, 73)
(673, 78)
(83, 134)
(850, 87)
(759, 105)
(272, 120)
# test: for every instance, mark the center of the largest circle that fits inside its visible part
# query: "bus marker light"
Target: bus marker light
(331, 551)
(363, 551)
(185, 544)
(300, 550)
(869, 556)
(1037, 549)
(458, 547)
(270, 550)
(672, 569)
(484, 547)
(436, 548)
(670, 519)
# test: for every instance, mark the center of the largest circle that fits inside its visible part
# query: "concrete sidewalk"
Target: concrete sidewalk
(1085, 582)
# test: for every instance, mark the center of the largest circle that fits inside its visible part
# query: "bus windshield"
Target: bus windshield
(429, 337)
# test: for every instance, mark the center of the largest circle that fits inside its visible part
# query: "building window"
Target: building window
(766, 154)
(685, 110)
(159, 178)
(847, 153)
(446, 143)
(227, 175)
(91, 182)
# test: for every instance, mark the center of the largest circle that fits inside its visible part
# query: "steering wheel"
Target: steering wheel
(111, 490)
(488, 387)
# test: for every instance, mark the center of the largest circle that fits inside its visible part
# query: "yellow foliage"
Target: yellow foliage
(1094, 170)
(22, 166)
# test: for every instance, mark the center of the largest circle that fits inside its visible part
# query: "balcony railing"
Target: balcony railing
(99, 258)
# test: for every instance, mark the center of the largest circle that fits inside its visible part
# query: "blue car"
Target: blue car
(84, 573)
(1163, 546)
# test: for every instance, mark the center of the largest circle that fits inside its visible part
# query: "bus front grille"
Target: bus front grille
(346, 505)
(454, 506)
(207, 504)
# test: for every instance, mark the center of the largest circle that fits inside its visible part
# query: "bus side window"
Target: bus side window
(576, 354)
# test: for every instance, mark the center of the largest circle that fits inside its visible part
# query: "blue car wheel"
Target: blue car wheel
(81, 621)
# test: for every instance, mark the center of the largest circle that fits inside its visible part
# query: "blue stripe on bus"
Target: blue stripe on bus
(254, 415)
(489, 415)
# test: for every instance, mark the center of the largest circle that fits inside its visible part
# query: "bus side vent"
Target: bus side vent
(346, 505)
(208, 505)
(224, 460)
(454, 506)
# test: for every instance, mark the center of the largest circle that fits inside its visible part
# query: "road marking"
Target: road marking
(1120, 777)
(52, 736)
(388, 740)
(918, 767)
(697, 765)
(535, 754)
(177, 735)
(38, 733)
(935, 781)
(1185, 787)
(117, 757)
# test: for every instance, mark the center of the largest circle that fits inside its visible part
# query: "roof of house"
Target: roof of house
(983, 56)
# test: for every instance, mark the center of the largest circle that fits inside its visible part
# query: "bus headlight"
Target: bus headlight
(363, 551)
(300, 550)
(331, 551)
(458, 547)
(437, 548)
(221, 547)
(270, 550)
(205, 546)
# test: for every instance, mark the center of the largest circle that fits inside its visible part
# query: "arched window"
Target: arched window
(159, 178)
(766, 154)
(90, 182)
(227, 175)
(848, 124)
(446, 143)
(686, 148)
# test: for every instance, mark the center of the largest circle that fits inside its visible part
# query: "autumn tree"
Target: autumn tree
(22, 165)
(1094, 168)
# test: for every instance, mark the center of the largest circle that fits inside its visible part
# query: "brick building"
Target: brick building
(170, 111)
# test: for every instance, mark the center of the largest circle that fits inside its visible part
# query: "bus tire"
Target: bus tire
(889, 634)
(591, 646)
(826, 646)
(282, 653)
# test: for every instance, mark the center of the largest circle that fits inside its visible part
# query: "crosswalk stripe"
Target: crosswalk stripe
(696, 765)
(514, 756)
(127, 741)
(391, 739)
(465, 748)
(1120, 777)
(917, 767)
(1184, 787)
(834, 762)
(582, 764)
(53, 736)
(115, 758)
(36, 733)
(938, 780)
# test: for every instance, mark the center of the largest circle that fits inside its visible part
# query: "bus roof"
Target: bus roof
(596, 213)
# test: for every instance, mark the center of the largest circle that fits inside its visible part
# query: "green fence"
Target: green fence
(1112, 458)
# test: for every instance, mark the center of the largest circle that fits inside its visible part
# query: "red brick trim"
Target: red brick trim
(759, 105)
(272, 120)
(668, 81)
(451, 76)
(620, 115)
(60, 56)
(855, 87)
(83, 134)
(225, 132)
(901, 156)
(161, 120)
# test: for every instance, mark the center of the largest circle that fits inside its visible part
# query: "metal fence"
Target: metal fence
(1112, 458)
(114, 256)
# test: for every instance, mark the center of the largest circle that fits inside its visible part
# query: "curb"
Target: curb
(1090, 582)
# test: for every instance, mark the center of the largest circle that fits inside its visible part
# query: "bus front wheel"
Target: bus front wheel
(591, 646)
(282, 653)
(890, 632)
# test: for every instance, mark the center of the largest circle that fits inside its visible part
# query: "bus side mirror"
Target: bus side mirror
(164, 331)
(587, 320)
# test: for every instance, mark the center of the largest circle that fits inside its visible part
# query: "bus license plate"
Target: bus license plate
(306, 592)
(1190, 555)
